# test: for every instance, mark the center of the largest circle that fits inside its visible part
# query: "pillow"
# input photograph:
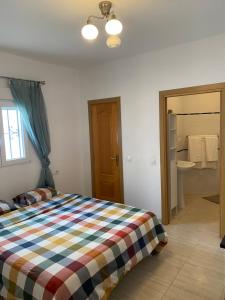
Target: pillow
(34, 196)
(6, 207)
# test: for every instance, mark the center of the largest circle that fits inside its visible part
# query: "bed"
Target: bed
(73, 247)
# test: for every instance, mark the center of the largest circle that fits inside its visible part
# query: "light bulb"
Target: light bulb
(113, 41)
(113, 27)
(89, 32)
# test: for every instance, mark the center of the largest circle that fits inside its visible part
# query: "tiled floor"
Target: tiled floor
(191, 267)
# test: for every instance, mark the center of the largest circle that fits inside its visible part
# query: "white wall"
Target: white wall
(138, 81)
(206, 102)
(62, 98)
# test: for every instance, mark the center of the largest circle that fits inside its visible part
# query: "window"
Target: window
(13, 142)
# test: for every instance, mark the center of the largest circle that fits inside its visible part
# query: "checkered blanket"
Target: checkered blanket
(73, 247)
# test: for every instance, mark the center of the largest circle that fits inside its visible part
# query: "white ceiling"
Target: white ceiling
(49, 30)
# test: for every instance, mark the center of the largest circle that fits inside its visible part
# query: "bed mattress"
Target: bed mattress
(73, 247)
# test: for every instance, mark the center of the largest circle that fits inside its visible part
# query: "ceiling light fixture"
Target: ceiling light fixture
(113, 41)
(89, 32)
(113, 26)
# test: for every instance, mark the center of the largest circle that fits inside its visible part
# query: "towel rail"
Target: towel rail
(187, 150)
(203, 135)
(199, 113)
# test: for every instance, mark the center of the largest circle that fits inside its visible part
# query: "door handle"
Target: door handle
(116, 158)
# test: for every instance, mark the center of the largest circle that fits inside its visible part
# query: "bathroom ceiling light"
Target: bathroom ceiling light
(113, 26)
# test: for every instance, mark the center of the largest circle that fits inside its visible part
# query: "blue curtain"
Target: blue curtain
(30, 102)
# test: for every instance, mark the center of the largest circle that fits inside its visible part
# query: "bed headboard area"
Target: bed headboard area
(18, 178)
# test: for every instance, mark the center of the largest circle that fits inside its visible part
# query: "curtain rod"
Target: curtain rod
(6, 77)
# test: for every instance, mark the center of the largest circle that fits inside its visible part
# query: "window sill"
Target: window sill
(15, 163)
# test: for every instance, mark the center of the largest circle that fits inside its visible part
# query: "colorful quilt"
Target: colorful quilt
(73, 247)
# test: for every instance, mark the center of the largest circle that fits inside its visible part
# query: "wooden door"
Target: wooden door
(106, 149)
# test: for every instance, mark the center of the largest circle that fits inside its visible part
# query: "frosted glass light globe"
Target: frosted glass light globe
(113, 41)
(89, 32)
(113, 27)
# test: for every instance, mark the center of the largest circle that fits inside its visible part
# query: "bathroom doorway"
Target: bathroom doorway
(192, 151)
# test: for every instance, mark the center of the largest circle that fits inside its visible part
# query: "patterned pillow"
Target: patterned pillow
(6, 207)
(34, 196)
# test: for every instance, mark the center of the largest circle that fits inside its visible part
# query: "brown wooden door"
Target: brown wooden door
(106, 149)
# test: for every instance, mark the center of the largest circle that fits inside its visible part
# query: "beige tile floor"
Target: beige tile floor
(191, 267)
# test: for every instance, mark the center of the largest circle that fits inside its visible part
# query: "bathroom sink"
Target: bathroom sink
(183, 165)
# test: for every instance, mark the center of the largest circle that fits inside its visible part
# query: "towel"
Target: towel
(195, 148)
(211, 145)
(203, 150)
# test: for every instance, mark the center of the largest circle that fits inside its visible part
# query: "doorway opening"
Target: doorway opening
(192, 154)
